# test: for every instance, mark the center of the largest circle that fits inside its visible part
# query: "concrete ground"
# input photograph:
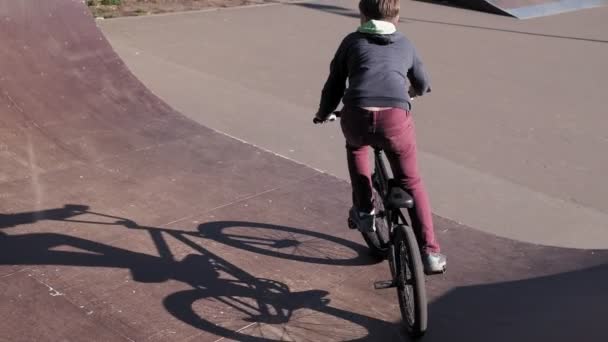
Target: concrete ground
(123, 220)
(512, 138)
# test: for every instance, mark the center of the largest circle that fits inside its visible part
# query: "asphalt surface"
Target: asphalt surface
(511, 138)
(123, 220)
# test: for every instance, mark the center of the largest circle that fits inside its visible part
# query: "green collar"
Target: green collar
(377, 27)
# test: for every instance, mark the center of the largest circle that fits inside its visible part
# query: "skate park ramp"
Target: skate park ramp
(524, 9)
(123, 220)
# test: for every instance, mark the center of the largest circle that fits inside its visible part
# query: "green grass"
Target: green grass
(103, 8)
(92, 3)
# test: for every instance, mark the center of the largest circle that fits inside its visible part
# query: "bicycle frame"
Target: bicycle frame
(382, 176)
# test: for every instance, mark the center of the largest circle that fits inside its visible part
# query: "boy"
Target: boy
(381, 65)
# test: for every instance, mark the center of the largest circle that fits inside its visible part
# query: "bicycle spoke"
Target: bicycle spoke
(291, 244)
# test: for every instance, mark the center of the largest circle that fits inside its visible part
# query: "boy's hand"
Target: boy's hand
(412, 93)
(319, 118)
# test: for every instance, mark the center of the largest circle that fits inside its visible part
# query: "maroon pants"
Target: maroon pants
(393, 131)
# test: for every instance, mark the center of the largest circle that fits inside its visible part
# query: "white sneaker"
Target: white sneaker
(434, 262)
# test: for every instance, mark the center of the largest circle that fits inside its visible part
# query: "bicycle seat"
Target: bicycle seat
(399, 198)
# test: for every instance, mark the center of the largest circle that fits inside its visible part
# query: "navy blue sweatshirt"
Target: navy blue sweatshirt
(380, 69)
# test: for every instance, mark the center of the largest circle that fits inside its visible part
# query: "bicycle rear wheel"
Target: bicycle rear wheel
(410, 281)
(377, 241)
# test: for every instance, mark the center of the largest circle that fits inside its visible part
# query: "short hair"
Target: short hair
(379, 9)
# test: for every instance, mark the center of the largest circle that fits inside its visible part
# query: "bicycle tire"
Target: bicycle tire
(260, 301)
(377, 241)
(410, 281)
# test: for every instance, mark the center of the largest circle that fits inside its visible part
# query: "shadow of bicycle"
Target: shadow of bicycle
(222, 298)
(288, 243)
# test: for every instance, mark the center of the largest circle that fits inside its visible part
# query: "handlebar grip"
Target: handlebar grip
(330, 118)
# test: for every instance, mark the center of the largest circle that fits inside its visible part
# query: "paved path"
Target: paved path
(511, 137)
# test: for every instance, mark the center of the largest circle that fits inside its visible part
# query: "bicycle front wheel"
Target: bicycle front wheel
(410, 281)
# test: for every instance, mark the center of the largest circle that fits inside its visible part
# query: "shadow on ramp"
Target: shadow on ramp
(521, 9)
(556, 307)
(351, 13)
(218, 290)
(524, 9)
(570, 306)
(287, 243)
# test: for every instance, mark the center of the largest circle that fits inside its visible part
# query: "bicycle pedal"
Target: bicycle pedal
(443, 271)
(384, 284)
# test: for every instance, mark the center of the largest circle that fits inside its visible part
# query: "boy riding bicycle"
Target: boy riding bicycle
(381, 64)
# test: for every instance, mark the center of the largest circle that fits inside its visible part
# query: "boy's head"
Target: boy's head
(387, 10)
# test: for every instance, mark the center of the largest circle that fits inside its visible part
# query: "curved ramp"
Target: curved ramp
(524, 9)
(122, 220)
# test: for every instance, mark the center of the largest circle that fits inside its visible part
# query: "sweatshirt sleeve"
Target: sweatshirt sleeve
(336, 82)
(419, 77)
